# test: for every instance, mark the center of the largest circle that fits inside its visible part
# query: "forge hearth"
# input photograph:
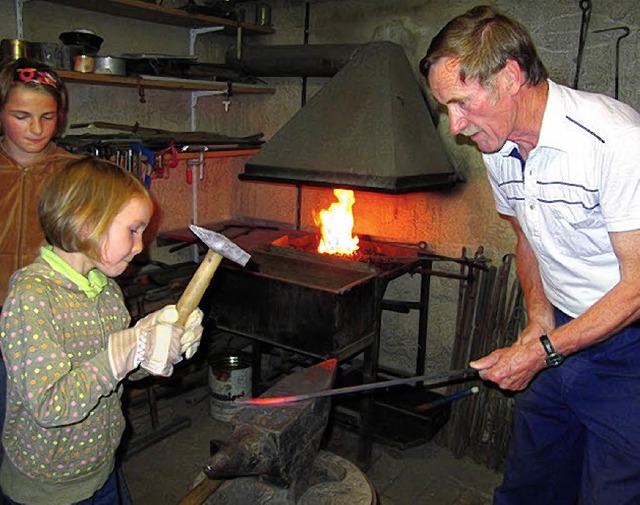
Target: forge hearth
(297, 303)
(372, 255)
(293, 297)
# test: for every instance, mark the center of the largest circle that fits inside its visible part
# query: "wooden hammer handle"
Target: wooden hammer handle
(197, 286)
(199, 494)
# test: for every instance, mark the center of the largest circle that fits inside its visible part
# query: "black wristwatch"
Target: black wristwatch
(554, 358)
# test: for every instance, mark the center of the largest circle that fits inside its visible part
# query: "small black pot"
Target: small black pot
(84, 38)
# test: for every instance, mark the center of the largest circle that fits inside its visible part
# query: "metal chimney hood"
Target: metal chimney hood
(369, 128)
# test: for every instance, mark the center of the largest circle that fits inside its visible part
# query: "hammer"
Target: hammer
(219, 247)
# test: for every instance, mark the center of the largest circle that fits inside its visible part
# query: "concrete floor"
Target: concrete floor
(163, 472)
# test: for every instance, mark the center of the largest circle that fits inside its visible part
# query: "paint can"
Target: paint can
(229, 380)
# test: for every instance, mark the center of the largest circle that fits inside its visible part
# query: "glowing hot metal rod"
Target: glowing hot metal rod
(428, 380)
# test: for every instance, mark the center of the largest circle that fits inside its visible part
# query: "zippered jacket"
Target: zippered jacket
(20, 187)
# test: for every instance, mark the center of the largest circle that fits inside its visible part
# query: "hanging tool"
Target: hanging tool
(427, 380)
(162, 166)
(200, 149)
(145, 166)
(626, 32)
(585, 6)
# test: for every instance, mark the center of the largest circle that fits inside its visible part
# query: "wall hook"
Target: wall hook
(625, 32)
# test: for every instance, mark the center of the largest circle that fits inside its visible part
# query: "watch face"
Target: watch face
(554, 360)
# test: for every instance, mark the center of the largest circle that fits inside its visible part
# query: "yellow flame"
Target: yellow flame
(336, 224)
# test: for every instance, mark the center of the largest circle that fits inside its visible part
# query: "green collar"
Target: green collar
(92, 285)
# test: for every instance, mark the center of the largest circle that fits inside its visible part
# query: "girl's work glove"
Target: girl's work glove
(192, 334)
(154, 343)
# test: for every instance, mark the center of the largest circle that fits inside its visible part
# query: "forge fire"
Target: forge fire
(336, 225)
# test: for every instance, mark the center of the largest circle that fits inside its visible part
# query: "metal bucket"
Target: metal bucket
(229, 380)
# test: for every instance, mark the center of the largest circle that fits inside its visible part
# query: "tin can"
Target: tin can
(229, 380)
(83, 63)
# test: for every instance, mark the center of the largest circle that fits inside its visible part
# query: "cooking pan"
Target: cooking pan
(110, 65)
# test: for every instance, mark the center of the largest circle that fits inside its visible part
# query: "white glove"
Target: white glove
(155, 346)
(159, 342)
(190, 340)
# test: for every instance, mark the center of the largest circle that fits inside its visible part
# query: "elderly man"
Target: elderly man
(564, 166)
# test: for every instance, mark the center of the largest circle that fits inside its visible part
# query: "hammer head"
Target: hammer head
(221, 244)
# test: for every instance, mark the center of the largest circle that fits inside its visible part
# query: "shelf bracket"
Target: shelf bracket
(193, 35)
(194, 103)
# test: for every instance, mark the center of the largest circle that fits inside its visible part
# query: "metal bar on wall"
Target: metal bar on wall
(19, 28)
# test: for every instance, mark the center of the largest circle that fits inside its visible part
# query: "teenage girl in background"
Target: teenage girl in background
(66, 343)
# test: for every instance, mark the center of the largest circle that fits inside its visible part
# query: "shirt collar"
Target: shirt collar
(553, 131)
(551, 134)
(91, 285)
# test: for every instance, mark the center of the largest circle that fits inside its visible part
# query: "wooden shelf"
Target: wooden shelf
(159, 83)
(145, 11)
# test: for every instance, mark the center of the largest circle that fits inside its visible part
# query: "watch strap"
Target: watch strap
(554, 358)
(548, 346)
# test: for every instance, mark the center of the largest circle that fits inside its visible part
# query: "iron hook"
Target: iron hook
(585, 6)
(626, 32)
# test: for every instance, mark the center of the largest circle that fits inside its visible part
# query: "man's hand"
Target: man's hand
(512, 368)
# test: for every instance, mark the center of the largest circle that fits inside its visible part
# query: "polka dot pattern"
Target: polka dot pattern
(64, 415)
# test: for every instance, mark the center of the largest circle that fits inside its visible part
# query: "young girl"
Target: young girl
(65, 341)
(33, 111)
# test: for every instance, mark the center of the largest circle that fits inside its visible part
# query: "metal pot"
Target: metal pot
(110, 65)
(87, 39)
(12, 49)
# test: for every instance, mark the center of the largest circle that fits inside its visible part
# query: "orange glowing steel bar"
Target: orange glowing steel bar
(429, 380)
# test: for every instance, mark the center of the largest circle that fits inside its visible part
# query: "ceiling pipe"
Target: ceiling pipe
(321, 60)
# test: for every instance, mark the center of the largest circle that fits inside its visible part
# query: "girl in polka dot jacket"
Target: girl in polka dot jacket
(66, 341)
